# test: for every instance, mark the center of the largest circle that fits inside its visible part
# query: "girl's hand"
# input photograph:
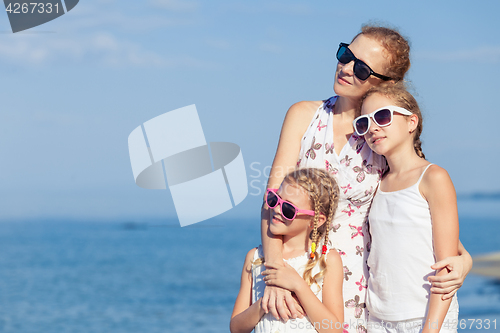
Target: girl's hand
(284, 276)
(448, 284)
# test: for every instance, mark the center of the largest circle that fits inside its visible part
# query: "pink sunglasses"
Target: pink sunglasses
(288, 210)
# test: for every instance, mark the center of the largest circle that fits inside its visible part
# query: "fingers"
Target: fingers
(273, 301)
(272, 305)
(449, 295)
(450, 277)
(443, 285)
(441, 264)
(290, 303)
(265, 299)
(301, 311)
(268, 278)
(446, 290)
(281, 307)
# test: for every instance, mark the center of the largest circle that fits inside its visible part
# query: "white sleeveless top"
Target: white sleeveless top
(269, 324)
(357, 170)
(401, 254)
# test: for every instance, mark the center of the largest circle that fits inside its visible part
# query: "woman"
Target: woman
(320, 134)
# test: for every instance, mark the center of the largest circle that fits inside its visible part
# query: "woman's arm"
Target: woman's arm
(326, 316)
(438, 189)
(276, 300)
(245, 314)
(459, 266)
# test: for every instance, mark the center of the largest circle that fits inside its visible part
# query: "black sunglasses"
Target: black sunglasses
(361, 70)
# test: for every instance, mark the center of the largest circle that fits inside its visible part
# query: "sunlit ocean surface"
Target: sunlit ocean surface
(60, 276)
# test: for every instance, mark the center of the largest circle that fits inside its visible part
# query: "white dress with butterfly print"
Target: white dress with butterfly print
(358, 171)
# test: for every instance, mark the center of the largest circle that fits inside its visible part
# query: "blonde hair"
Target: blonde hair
(399, 94)
(323, 194)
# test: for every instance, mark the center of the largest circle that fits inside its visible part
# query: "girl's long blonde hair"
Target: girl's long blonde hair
(323, 194)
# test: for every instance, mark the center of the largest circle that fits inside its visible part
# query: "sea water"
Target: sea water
(61, 276)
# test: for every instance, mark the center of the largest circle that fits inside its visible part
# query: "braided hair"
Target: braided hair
(323, 194)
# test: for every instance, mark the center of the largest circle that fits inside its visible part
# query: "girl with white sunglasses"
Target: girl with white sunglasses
(413, 219)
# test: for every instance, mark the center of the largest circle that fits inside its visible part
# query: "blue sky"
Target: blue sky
(73, 89)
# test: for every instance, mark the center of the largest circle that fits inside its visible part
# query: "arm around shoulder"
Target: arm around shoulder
(297, 119)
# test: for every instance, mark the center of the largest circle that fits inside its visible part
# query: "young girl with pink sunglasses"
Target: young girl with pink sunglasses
(413, 219)
(301, 211)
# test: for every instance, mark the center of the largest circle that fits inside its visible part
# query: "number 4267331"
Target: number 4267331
(32, 7)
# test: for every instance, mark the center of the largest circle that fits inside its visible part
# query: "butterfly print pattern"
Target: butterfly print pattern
(355, 231)
(361, 329)
(380, 172)
(335, 227)
(347, 273)
(369, 192)
(361, 171)
(358, 307)
(356, 202)
(362, 283)
(328, 148)
(330, 168)
(360, 142)
(359, 250)
(346, 160)
(346, 188)
(349, 211)
(320, 126)
(315, 146)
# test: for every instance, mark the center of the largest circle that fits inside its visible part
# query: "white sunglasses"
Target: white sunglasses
(382, 117)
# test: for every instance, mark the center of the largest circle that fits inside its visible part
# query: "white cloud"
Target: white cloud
(109, 15)
(101, 48)
(95, 18)
(105, 32)
(484, 54)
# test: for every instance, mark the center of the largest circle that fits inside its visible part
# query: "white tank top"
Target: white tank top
(401, 254)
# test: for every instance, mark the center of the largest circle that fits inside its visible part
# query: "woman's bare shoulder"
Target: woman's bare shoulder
(303, 109)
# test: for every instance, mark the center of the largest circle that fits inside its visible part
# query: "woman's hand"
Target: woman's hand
(281, 303)
(280, 281)
(458, 267)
